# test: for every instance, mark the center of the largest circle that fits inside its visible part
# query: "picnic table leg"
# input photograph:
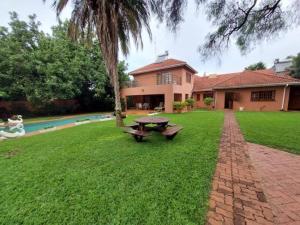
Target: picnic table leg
(138, 138)
(171, 137)
(141, 127)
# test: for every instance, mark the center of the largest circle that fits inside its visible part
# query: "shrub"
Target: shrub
(190, 102)
(208, 101)
(179, 106)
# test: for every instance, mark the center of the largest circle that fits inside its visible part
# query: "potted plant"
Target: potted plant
(189, 103)
(208, 102)
(179, 106)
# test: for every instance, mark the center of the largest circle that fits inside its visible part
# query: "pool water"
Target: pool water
(31, 127)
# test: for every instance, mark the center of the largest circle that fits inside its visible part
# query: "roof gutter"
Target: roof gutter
(258, 85)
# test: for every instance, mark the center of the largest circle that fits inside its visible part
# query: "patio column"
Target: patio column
(169, 99)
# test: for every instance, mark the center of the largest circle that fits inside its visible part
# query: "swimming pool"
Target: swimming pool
(32, 127)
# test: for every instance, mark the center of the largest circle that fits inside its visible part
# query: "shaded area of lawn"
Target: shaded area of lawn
(276, 129)
(95, 174)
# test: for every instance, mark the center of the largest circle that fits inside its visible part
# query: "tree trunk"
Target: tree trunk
(118, 106)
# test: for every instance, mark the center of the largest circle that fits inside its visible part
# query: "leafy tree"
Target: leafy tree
(42, 68)
(16, 47)
(114, 23)
(295, 70)
(247, 22)
(256, 66)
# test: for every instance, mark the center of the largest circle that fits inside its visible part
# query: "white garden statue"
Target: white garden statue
(15, 127)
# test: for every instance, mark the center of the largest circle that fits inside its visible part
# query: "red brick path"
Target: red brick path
(280, 175)
(237, 196)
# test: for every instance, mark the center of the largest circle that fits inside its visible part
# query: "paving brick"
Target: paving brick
(280, 179)
(237, 197)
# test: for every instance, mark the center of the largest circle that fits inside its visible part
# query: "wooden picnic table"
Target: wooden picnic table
(159, 121)
(139, 129)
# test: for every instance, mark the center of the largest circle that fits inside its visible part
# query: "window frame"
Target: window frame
(263, 96)
(188, 77)
(164, 78)
(208, 95)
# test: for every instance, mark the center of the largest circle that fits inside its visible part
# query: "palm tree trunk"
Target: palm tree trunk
(118, 106)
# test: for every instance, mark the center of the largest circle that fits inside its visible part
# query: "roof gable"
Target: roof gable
(166, 64)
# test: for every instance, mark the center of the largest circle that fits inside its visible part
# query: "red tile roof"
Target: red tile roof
(243, 79)
(166, 64)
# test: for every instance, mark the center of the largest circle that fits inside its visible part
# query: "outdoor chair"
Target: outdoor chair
(139, 106)
(146, 105)
(160, 107)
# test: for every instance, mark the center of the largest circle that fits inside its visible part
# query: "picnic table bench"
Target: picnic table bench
(137, 134)
(171, 132)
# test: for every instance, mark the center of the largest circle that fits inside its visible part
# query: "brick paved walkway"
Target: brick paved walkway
(237, 196)
(280, 177)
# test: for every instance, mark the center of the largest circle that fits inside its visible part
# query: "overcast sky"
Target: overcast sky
(182, 45)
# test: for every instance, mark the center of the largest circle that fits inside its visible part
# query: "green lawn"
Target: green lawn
(276, 129)
(95, 174)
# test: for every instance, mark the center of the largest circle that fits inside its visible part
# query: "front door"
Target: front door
(228, 100)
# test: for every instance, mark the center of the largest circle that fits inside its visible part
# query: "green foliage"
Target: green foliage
(95, 174)
(244, 22)
(256, 66)
(208, 101)
(190, 102)
(295, 70)
(179, 106)
(41, 68)
(256, 127)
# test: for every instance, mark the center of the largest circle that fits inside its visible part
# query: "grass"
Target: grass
(96, 174)
(275, 129)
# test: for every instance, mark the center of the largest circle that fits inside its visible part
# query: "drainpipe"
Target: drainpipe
(283, 97)
(215, 96)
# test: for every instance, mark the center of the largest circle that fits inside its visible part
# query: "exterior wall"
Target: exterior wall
(199, 103)
(149, 79)
(244, 99)
(147, 86)
(186, 88)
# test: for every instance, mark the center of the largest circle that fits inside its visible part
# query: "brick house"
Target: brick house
(169, 80)
(164, 81)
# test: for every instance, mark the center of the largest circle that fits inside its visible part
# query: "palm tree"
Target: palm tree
(114, 22)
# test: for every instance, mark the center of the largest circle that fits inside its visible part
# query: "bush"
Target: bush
(208, 101)
(179, 106)
(190, 102)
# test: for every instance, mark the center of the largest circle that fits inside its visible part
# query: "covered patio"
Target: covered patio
(144, 102)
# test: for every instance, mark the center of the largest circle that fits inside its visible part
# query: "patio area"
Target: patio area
(145, 102)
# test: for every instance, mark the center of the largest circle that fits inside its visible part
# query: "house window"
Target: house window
(186, 96)
(164, 78)
(198, 97)
(188, 77)
(208, 95)
(262, 96)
